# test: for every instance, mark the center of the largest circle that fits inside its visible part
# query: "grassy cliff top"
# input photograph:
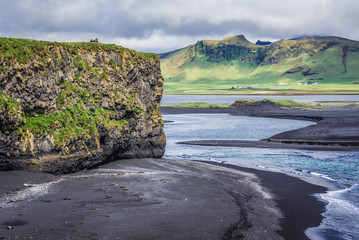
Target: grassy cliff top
(24, 50)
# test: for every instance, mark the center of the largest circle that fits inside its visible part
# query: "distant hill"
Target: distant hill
(259, 42)
(314, 37)
(236, 63)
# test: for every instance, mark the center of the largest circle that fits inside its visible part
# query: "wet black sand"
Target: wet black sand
(158, 199)
(295, 199)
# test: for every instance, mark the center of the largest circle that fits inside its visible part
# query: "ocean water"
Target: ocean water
(337, 170)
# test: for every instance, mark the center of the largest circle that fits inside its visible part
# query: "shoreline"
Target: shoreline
(335, 129)
(164, 198)
(331, 130)
(294, 196)
(267, 144)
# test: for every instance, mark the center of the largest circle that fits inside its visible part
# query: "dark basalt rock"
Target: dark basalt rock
(69, 106)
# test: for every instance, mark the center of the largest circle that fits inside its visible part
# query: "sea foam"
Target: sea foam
(30, 192)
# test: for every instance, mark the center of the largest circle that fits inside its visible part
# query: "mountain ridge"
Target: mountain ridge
(218, 64)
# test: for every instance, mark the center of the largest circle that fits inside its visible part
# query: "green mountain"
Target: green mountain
(235, 65)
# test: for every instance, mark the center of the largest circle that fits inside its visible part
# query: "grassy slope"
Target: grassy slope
(186, 71)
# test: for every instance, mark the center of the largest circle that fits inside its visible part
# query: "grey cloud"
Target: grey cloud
(203, 27)
(135, 21)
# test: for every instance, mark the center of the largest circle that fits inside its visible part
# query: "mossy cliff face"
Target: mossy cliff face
(69, 106)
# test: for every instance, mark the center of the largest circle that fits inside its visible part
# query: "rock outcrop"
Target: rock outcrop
(69, 106)
(239, 48)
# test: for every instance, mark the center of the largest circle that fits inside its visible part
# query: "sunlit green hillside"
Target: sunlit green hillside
(234, 65)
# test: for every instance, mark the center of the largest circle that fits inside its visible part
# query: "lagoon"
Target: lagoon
(337, 170)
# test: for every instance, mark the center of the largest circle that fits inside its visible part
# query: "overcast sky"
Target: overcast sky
(164, 25)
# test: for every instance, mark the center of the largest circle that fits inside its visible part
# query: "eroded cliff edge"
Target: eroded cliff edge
(69, 106)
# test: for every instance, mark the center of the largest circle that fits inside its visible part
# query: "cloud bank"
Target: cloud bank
(160, 26)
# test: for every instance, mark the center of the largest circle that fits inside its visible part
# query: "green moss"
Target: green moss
(112, 63)
(71, 124)
(2, 69)
(76, 76)
(75, 121)
(140, 110)
(156, 115)
(71, 87)
(39, 124)
(9, 104)
(68, 90)
(103, 75)
(78, 62)
(84, 64)
(98, 98)
(61, 98)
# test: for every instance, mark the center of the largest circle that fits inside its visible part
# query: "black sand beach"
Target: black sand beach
(295, 200)
(157, 199)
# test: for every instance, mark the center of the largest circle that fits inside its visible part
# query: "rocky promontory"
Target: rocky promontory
(70, 106)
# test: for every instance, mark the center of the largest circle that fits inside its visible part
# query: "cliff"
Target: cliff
(239, 48)
(69, 106)
(234, 61)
